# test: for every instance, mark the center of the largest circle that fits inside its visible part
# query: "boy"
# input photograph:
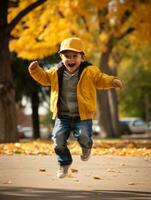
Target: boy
(73, 98)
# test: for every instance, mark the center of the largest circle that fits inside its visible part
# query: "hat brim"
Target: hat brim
(70, 49)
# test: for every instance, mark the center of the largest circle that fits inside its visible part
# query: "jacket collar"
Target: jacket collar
(61, 68)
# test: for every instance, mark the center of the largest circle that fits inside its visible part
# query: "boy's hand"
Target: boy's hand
(33, 65)
(117, 83)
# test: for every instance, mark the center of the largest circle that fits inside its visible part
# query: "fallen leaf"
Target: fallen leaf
(122, 164)
(111, 170)
(74, 170)
(42, 170)
(70, 175)
(146, 158)
(110, 148)
(17, 144)
(8, 182)
(96, 177)
(133, 183)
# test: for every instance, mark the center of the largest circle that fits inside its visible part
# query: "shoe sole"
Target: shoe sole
(85, 159)
(61, 176)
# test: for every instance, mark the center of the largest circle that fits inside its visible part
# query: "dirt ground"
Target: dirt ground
(24, 177)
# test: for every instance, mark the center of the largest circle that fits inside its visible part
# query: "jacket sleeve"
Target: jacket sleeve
(102, 80)
(41, 76)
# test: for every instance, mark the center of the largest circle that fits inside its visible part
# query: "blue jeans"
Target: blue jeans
(82, 131)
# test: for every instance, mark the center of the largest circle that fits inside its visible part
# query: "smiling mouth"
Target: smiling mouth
(71, 65)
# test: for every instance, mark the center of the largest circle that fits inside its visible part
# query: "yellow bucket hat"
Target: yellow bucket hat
(72, 44)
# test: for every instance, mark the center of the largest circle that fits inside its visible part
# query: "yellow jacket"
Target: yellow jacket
(90, 79)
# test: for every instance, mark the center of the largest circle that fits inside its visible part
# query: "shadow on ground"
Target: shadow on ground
(25, 193)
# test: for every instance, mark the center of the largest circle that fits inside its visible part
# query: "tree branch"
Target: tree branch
(24, 12)
(101, 16)
(125, 17)
(85, 23)
(127, 32)
(13, 3)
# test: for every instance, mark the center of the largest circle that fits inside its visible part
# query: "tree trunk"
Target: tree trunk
(147, 108)
(107, 102)
(8, 124)
(35, 116)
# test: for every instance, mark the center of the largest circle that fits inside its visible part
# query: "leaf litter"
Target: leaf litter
(100, 147)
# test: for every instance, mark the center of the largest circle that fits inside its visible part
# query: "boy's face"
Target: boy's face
(71, 60)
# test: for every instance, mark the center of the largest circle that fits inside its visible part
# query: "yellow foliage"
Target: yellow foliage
(45, 147)
(40, 32)
(99, 4)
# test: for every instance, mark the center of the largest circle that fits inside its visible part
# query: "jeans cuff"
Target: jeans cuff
(65, 163)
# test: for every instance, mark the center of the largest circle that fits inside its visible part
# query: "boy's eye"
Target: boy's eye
(67, 56)
(70, 56)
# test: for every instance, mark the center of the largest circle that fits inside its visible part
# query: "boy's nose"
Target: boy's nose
(70, 58)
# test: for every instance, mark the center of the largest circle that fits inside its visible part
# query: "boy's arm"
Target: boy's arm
(105, 81)
(38, 74)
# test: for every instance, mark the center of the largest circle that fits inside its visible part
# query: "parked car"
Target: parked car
(24, 132)
(20, 132)
(28, 131)
(149, 127)
(132, 125)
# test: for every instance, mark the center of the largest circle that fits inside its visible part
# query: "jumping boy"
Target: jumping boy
(73, 98)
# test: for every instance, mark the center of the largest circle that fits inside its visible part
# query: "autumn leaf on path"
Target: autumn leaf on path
(70, 175)
(8, 182)
(97, 178)
(74, 170)
(133, 183)
(105, 147)
(113, 170)
(122, 164)
(42, 170)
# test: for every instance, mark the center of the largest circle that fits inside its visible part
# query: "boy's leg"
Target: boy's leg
(82, 130)
(61, 132)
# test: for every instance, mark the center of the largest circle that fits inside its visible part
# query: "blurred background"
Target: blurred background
(117, 39)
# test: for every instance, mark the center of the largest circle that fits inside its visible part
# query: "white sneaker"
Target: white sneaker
(85, 154)
(63, 171)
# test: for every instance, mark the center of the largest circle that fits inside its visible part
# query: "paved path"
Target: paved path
(101, 178)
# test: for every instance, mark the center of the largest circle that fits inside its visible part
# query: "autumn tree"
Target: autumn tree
(136, 73)
(110, 25)
(119, 20)
(102, 25)
(8, 128)
(26, 87)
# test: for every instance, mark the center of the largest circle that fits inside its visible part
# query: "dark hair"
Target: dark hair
(82, 54)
